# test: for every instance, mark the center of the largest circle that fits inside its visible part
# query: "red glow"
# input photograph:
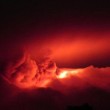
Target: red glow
(65, 73)
(32, 75)
(39, 70)
(69, 48)
(26, 73)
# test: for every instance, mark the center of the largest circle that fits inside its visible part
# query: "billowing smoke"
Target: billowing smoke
(65, 86)
(26, 72)
(82, 79)
(37, 75)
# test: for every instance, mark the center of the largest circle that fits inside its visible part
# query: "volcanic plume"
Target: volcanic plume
(26, 72)
(56, 72)
(54, 55)
(26, 76)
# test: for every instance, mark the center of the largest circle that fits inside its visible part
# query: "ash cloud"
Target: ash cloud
(90, 85)
(26, 72)
(87, 77)
(22, 71)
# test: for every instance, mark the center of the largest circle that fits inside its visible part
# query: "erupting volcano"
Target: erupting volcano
(26, 72)
(37, 71)
(55, 56)
(29, 73)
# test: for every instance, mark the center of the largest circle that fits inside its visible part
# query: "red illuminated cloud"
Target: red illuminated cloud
(26, 72)
(82, 48)
(38, 70)
(81, 85)
(82, 79)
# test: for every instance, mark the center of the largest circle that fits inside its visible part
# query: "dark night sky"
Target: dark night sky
(20, 21)
(15, 15)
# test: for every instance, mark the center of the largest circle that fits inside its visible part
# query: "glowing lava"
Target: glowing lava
(64, 73)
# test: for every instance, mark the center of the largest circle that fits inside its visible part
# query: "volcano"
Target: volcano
(55, 55)
(24, 79)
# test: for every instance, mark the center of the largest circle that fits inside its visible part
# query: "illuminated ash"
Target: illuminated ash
(25, 72)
